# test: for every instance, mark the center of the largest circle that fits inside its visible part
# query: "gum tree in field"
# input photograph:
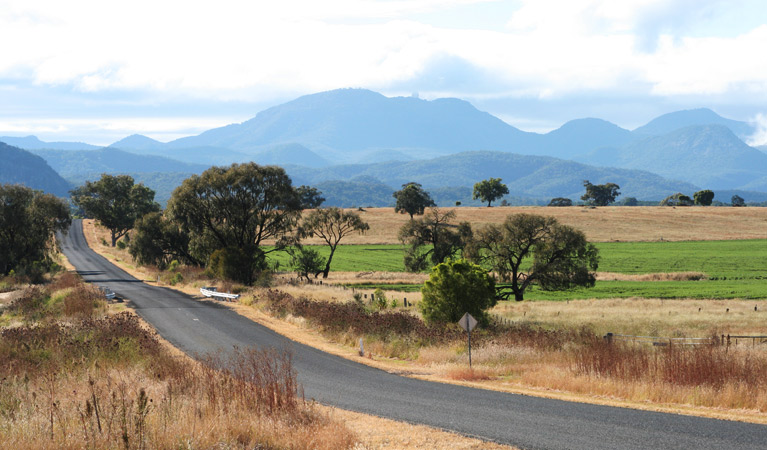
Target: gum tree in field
(331, 225)
(116, 202)
(229, 211)
(412, 199)
(489, 190)
(600, 194)
(704, 197)
(433, 239)
(528, 249)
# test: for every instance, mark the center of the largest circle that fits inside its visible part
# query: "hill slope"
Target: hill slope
(109, 160)
(526, 176)
(33, 143)
(710, 156)
(22, 167)
(687, 118)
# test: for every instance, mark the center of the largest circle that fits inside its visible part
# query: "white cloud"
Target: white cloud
(256, 51)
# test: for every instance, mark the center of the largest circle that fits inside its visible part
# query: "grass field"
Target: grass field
(733, 269)
(603, 224)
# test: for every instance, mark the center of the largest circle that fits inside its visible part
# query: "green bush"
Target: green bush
(454, 288)
(379, 299)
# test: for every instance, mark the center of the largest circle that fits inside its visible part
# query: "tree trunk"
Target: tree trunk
(114, 238)
(518, 295)
(327, 264)
(488, 203)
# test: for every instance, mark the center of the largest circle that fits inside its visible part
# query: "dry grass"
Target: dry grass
(641, 316)
(669, 276)
(604, 224)
(102, 381)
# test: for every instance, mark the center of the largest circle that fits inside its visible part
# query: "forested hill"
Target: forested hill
(22, 167)
(527, 176)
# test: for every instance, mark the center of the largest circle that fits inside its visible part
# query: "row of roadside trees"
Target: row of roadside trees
(222, 219)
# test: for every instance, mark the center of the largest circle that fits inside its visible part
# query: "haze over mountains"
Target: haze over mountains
(348, 135)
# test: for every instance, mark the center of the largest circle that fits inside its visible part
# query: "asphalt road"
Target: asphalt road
(523, 421)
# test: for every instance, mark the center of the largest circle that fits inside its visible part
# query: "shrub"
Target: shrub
(234, 264)
(454, 288)
(379, 299)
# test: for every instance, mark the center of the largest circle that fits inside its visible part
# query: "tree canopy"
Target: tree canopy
(454, 288)
(116, 202)
(529, 249)
(677, 199)
(310, 197)
(412, 199)
(600, 194)
(432, 239)
(737, 200)
(704, 197)
(331, 225)
(158, 240)
(490, 190)
(28, 222)
(236, 208)
(560, 201)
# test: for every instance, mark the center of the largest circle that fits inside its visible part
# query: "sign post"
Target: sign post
(468, 323)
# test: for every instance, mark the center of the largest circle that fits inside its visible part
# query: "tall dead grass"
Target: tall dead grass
(103, 381)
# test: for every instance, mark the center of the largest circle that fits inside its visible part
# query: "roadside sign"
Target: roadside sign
(467, 322)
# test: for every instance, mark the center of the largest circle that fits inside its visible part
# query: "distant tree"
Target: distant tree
(235, 209)
(28, 222)
(158, 240)
(600, 194)
(560, 201)
(412, 199)
(677, 199)
(630, 201)
(116, 202)
(455, 288)
(310, 197)
(489, 190)
(737, 200)
(432, 239)
(529, 249)
(331, 225)
(704, 197)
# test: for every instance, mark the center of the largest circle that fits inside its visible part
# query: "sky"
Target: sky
(99, 70)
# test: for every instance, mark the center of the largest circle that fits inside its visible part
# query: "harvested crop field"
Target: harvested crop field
(604, 224)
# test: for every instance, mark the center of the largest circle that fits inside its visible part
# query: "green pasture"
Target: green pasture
(734, 269)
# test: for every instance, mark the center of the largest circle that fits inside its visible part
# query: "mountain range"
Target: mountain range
(342, 135)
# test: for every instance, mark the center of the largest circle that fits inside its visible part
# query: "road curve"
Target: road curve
(523, 421)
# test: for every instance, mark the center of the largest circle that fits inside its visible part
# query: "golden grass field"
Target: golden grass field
(603, 224)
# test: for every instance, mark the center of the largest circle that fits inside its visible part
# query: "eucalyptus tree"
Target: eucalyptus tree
(116, 202)
(233, 210)
(331, 225)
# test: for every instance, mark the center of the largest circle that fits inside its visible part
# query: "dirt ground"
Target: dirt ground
(603, 224)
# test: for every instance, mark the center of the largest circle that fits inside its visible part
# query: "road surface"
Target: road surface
(523, 421)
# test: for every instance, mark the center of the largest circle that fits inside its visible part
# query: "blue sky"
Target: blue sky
(97, 71)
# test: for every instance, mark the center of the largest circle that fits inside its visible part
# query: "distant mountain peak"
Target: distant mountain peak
(138, 142)
(691, 117)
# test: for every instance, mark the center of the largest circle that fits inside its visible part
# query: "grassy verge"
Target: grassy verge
(77, 376)
(545, 356)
